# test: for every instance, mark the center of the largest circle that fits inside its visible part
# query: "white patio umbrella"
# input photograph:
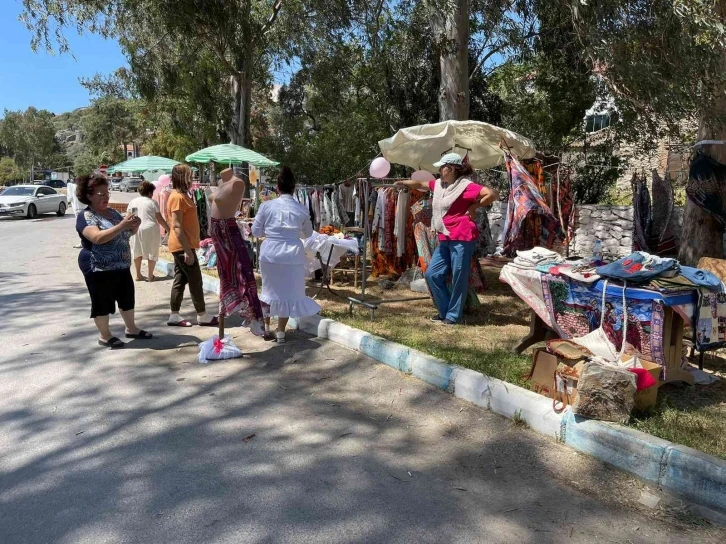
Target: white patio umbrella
(421, 146)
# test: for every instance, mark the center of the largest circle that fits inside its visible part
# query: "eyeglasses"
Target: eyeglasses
(102, 194)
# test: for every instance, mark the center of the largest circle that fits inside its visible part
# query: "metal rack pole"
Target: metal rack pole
(364, 269)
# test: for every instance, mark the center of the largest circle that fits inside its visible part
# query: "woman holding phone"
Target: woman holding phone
(145, 243)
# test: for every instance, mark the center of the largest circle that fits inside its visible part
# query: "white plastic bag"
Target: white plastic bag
(213, 349)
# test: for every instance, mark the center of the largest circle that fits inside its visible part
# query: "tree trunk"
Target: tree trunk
(240, 132)
(452, 29)
(701, 235)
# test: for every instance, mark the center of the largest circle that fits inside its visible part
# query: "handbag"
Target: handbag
(597, 341)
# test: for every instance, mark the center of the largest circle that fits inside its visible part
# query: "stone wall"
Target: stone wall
(613, 225)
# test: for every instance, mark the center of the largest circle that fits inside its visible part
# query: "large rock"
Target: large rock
(606, 393)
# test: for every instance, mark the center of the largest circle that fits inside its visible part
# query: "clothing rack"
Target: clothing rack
(372, 306)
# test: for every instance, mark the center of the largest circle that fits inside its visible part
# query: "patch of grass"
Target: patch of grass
(694, 417)
(518, 420)
(483, 343)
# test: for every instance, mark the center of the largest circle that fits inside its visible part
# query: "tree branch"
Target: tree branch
(277, 6)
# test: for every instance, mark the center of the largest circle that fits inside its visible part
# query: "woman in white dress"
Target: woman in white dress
(284, 222)
(145, 243)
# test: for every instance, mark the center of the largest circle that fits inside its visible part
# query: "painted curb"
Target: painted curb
(678, 470)
(627, 449)
(692, 473)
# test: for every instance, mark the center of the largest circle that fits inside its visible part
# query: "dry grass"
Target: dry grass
(694, 417)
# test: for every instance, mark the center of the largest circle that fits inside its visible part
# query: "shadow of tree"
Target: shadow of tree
(305, 441)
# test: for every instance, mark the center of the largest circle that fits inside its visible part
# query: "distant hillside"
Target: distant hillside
(69, 131)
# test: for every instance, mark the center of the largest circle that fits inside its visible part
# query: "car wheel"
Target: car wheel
(61, 209)
(32, 212)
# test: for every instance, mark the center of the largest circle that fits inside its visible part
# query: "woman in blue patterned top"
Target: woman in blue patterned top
(105, 259)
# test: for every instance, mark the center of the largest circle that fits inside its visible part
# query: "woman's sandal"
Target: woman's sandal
(213, 323)
(111, 343)
(142, 335)
(182, 323)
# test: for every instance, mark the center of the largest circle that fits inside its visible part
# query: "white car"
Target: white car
(31, 200)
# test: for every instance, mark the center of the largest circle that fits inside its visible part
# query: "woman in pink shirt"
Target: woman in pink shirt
(456, 200)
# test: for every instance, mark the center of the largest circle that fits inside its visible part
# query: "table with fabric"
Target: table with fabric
(566, 308)
(325, 252)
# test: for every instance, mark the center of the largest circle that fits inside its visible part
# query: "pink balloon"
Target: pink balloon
(163, 181)
(422, 175)
(380, 168)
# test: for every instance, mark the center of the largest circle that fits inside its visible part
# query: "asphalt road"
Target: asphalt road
(118, 196)
(306, 442)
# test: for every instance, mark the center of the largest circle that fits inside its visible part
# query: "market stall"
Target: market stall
(419, 148)
(641, 301)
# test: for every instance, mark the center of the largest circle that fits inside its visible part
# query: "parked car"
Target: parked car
(129, 184)
(31, 200)
(114, 184)
(55, 183)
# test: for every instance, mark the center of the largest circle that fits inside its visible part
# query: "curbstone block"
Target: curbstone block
(510, 400)
(695, 475)
(164, 268)
(432, 370)
(389, 353)
(315, 325)
(210, 284)
(627, 449)
(345, 335)
(472, 386)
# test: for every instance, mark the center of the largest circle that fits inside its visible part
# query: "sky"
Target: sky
(46, 81)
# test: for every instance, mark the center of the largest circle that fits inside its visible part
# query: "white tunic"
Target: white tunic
(283, 222)
(145, 243)
(76, 204)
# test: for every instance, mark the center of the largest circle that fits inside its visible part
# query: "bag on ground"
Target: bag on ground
(215, 349)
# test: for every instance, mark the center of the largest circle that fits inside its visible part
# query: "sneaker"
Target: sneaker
(448, 322)
(280, 337)
(437, 317)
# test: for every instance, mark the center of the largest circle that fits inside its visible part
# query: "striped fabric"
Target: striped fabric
(142, 164)
(230, 154)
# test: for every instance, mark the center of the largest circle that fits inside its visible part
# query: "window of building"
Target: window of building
(595, 123)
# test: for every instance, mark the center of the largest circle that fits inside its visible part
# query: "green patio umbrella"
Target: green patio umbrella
(231, 154)
(142, 164)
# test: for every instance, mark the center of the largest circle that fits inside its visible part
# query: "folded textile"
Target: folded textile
(702, 278)
(585, 274)
(549, 268)
(638, 267)
(539, 255)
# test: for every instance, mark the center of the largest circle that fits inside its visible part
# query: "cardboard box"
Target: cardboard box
(542, 379)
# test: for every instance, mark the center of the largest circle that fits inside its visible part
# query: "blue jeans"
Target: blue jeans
(450, 258)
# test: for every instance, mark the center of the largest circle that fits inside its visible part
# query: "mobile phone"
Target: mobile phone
(134, 211)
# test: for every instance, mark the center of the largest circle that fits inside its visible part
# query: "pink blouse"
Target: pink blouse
(460, 226)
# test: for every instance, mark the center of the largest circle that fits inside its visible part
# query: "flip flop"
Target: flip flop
(111, 343)
(142, 335)
(213, 323)
(182, 323)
